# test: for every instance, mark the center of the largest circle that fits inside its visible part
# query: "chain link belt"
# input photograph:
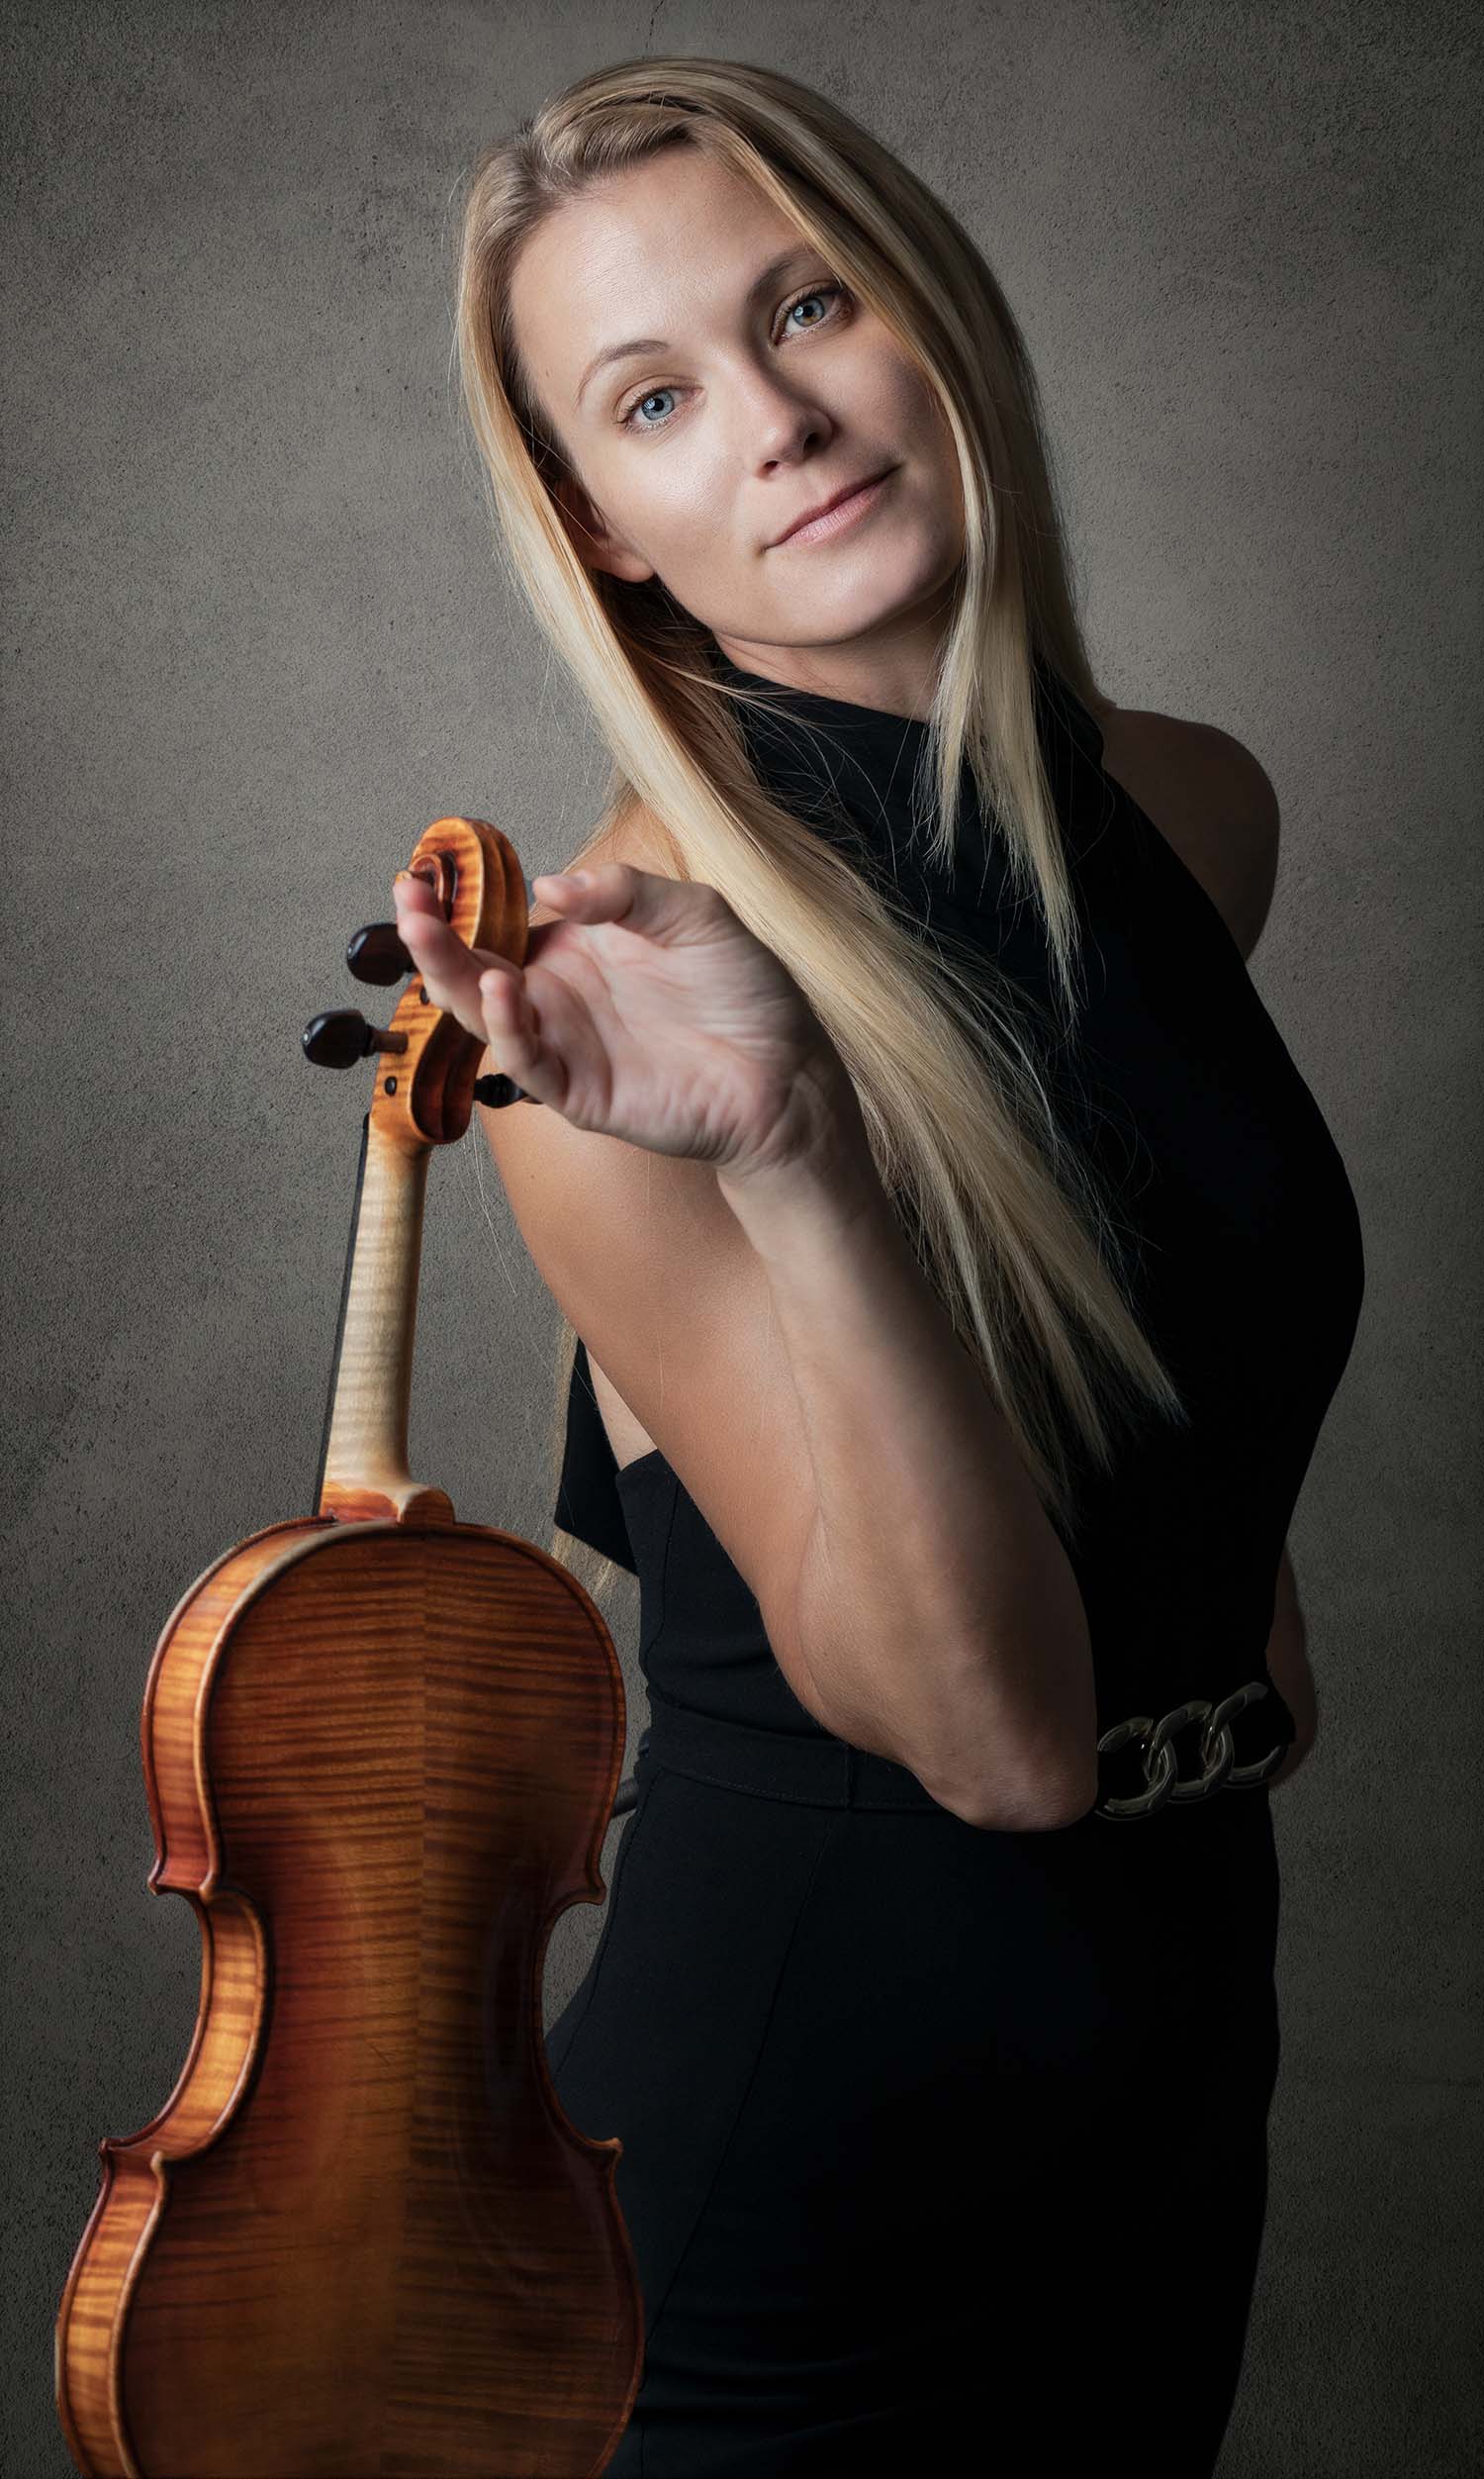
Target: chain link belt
(1161, 1775)
(820, 1769)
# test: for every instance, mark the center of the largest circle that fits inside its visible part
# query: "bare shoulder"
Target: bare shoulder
(1211, 798)
(637, 835)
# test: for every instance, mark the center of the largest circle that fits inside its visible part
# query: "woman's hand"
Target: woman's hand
(646, 1012)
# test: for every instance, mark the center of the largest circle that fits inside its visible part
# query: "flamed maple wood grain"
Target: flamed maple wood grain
(391, 1743)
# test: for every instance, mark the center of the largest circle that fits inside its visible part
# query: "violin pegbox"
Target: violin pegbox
(426, 1060)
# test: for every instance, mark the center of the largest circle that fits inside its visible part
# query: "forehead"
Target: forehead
(649, 251)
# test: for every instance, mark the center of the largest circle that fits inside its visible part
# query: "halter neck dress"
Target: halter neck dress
(943, 2143)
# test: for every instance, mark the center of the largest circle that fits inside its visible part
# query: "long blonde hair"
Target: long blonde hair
(1005, 1215)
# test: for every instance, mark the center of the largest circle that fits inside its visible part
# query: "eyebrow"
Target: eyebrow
(763, 282)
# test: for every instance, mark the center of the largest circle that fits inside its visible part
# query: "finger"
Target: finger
(418, 907)
(565, 889)
(615, 891)
(599, 893)
(416, 903)
(412, 881)
(513, 1030)
(451, 968)
(411, 894)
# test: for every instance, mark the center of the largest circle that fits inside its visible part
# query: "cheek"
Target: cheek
(901, 405)
(684, 506)
(924, 421)
(925, 425)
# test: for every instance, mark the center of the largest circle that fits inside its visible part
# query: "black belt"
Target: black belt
(829, 1772)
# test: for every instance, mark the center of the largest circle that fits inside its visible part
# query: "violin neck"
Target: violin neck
(363, 1464)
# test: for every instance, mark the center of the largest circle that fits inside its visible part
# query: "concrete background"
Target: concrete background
(258, 639)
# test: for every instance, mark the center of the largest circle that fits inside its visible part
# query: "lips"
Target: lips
(846, 490)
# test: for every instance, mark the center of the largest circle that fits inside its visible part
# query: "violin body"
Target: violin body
(361, 2240)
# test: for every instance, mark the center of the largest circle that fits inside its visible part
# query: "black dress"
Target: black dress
(945, 2150)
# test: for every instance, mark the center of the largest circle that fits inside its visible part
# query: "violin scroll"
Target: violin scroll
(485, 897)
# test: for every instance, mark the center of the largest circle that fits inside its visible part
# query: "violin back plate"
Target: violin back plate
(361, 2240)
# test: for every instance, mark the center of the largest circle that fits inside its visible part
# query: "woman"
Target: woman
(964, 1272)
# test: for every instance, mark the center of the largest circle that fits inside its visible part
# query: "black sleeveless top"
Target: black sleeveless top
(1243, 1243)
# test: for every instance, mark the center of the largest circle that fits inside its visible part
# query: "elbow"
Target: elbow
(1027, 1806)
(1039, 1795)
(996, 1756)
(1026, 1773)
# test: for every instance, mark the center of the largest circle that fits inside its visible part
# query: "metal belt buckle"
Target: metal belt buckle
(1160, 1765)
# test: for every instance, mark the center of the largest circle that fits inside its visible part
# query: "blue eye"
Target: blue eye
(625, 419)
(628, 422)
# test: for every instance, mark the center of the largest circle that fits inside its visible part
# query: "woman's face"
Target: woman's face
(769, 389)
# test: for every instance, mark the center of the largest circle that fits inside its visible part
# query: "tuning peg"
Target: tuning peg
(377, 954)
(341, 1035)
(495, 1091)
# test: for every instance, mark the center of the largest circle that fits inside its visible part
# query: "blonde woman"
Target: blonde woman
(954, 1273)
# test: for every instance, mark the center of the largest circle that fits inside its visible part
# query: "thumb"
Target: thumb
(668, 910)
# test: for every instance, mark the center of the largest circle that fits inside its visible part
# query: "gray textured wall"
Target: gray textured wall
(257, 641)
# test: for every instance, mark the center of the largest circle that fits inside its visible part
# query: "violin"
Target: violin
(381, 1748)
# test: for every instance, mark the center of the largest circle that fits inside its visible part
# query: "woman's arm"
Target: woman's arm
(718, 1233)
(1288, 1660)
(934, 1605)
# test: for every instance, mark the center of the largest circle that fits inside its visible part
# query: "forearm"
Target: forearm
(935, 1609)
